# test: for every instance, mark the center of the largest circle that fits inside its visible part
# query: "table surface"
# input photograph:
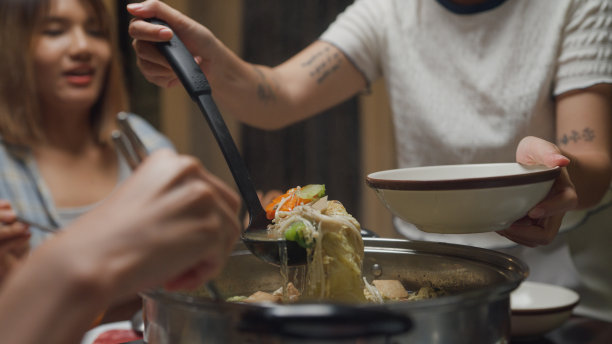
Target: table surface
(576, 330)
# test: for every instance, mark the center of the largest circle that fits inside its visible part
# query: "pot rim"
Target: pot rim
(512, 268)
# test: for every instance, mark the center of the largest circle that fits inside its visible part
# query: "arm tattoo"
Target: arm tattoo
(323, 63)
(587, 134)
(265, 91)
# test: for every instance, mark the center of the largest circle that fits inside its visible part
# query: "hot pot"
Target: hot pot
(476, 309)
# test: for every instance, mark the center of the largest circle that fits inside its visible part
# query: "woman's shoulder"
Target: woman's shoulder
(10, 153)
(151, 137)
(16, 183)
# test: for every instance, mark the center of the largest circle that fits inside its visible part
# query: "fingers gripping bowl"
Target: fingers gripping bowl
(469, 198)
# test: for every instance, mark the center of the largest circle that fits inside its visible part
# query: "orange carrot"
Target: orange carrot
(287, 202)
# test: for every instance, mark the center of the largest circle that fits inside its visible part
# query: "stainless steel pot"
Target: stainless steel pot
(477, 310)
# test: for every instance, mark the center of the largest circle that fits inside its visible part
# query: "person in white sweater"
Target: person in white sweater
(470, 81)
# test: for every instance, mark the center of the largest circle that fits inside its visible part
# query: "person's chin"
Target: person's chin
(75, 103)
(86, 96)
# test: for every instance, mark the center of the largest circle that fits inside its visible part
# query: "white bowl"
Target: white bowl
(472, 198)
(538, 308)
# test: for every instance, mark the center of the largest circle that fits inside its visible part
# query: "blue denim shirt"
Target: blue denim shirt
(22, 185)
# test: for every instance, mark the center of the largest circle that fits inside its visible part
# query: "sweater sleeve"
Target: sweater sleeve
(358, 33)
(585, 57)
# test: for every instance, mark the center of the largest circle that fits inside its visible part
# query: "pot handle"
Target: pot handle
(323, 321)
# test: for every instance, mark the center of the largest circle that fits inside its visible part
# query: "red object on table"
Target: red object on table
(117, 337)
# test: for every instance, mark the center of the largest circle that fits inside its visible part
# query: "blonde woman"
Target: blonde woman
(60, 90)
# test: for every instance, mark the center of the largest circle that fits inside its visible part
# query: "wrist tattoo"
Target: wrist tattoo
(587, 134)
(265, 91)
(323, 63)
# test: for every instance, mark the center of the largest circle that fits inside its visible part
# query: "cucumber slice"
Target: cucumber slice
(295, 232)
(311, 191)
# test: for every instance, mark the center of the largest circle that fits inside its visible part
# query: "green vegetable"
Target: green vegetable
(295, 232)
(311, 191)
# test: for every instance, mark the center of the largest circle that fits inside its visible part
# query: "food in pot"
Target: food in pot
(332, 238)
(292, 295)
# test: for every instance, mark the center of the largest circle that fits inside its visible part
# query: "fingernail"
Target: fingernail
(134, 6)
(536, 213)
(562, 159)
(165, 32)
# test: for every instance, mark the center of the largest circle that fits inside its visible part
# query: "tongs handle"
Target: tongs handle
(128, 143)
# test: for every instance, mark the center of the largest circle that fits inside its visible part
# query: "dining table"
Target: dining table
(576, 330)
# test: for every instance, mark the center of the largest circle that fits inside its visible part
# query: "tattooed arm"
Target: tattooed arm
(584, 134)
(315, 79)
(583, 151)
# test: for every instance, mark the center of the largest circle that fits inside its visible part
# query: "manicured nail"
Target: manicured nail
(165, 33)
(134, 6)
(536, 213)
(562, 159)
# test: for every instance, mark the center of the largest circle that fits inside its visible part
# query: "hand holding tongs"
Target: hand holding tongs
(134, 151)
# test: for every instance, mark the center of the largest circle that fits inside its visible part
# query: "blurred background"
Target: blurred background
(337, 148)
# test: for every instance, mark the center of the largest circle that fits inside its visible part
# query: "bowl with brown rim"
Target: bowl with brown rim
(465, 198)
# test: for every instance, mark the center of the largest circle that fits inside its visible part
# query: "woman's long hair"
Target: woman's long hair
(20, 117)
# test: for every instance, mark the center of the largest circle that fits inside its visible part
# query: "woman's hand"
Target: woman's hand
(542, 223)
(14, 239)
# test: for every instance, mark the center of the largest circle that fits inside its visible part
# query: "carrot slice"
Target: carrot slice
(292, 199)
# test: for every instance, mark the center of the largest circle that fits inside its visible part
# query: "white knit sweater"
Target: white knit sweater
(467, 88)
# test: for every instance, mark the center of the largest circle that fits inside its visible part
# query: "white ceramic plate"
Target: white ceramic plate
(91, 335)
(538, 308)
(456, 199)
